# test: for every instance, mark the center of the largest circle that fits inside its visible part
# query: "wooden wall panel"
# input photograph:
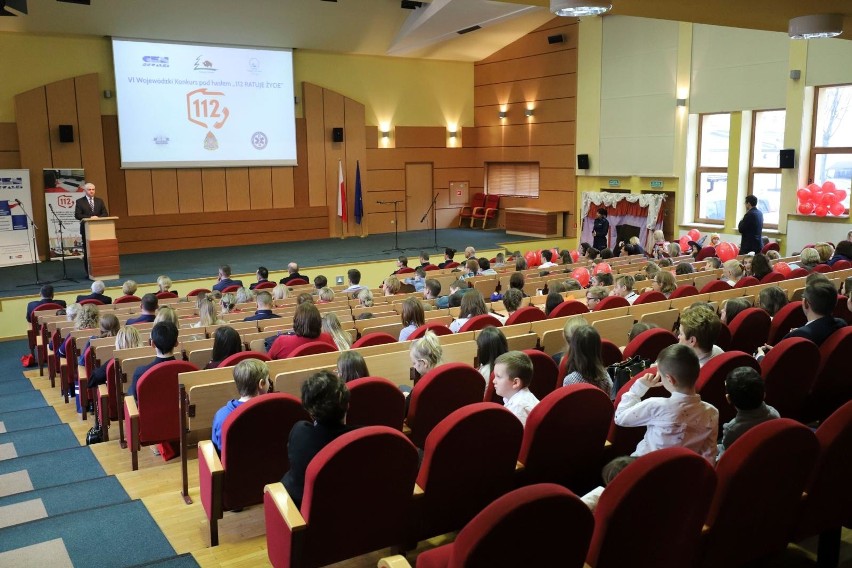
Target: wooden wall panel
(10, 160)
(542, 88)
(283, 195)
(140, 199)
(164, 191)
(443, 176)
(312, 103)
(535, 43)
(533, 134)
(526, 67)
(557, 179)
(334, 117)
(191, 195)
(300, 196)
(8, 137)
(215, 192)
(237, 184)
(62, 109)
(395, 158)
(356, 153)
(553, 110)
(116, 187)
(380, 222)
(260, 188)
(420, 137)
(90, 130)
(385, 179)
(372, 137)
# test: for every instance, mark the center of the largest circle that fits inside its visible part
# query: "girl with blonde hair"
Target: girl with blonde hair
(426, 353)
(331, 325)
(325, 295)
(732, 271)
(167, 313)
(208, 315)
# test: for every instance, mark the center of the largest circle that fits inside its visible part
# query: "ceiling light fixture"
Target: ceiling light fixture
(816, 26)
(579, 8)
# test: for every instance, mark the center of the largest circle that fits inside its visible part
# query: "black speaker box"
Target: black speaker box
(787, 159)
(558, 38)
(582, 161)
(66, 132)
(337, 135)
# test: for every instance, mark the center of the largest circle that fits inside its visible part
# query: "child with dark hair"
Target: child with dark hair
(412, 317)
(745, 390)
(226, 342)
(351, 366)
(772, 299)
(608, 473)
(585, 364)
(164, 336)
(490, 344)
(252, 379)
(554, 298)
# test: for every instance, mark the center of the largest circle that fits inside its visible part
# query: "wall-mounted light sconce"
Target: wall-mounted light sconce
(385, 133)
(681, 102)
(502, 114)
(453, 133)
(529, 112)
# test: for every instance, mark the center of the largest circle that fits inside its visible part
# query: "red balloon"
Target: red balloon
(828, 199)
(736, 249)
(582, 276)
(782, 268)
(694, 235)
(684, 243)
(837, 209)
(806, 207)
(840, 193)
(555, 252)
(814, 187)
(804, 194)
(829, 186)
(602, 267)
(575, 255)
(821, 210)
(725, 251)
(531, 258)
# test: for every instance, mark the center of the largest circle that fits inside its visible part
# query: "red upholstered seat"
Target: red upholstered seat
(841, 265)
(683, 291)
(770, 246)
(297, 282)
(476, 202)
(436, 328)
(127, 300)
(723, 340)
(405, 270)
(231, 288)
(155, 415)
(711, 381)
(358, 495)
(232, 360)
(92, 301)
(555, 524)
(468, 461)
(197, 291)
(480, 322)
(249, 461)
(526, 314)
(747, 281)
(452, 264)
(772, 277)
(650, 296)
(265, 285)
(649, 343)
(430, 267)
(375, 338)
(787, 318)
(545, 373)
(761, 477)
(33, 333)
(312, 348)
(749, 329)
(833, 384)
(824, 268)
(706, 252)
(568, 308)
(437, 394)
(611, 302)
(788, 374)
(610, 353)
(552, 451)
(798, 273)
(841, 309)
(166, 295)
(648, 496)
(375, 401)
(487, 211)
(715, 286)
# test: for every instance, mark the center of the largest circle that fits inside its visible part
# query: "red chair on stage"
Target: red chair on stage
(649, 343)
(788, 374)
(705, 253)
(468, 461)
(480, 322)
(749, 330)
(127, 300)
(436, 328)
(798, 273)
(375, 338)
(545, 373)
(555, 524)
(761, 477)
(527, 314)
(715, 286)
(650, 296)
(683, 291)
(232, 360)
(487, 211)
(711, 381)
(154, 417)
(358, 497)
(569, 308)
(650, 493)
(787, 318)
(312, 348)
(437, 394)
(374, 401)
(747, 281)
(552, 452)
(265, 285)
(611, 302)
(197, 291)
(772, 277)
(832, 386)
(248, 461)
(467, 211)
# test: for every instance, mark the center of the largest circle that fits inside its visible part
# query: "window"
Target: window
(714, 133)
(512, 178)
(767, 139)
(831, 157)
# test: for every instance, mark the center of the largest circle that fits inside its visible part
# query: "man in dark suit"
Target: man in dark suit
(97, 293)
(164, 336)
(751, 227)
(264, 307)
(46, 298)
(293, 274)
(600, 230)
(88, 207)
(149, 305)
(262, 276)
(225, 279)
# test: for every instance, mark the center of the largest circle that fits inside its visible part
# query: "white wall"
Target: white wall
(829, 62)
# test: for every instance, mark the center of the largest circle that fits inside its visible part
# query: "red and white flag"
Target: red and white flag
(341, 193)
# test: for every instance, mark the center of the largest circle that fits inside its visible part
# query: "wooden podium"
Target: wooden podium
(102, 248)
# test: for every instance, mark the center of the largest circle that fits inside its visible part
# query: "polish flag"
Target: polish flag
(341, 193)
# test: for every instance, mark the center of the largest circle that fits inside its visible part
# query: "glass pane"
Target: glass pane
(712, 192)
(767, 189)
(834, 117)
(768, 138)
(715, 138)
(836, 168)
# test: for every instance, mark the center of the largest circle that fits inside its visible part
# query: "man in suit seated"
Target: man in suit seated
(149, 305)
(262, 276)
(225, 279)
(46, 298)
(164, 336)
(264, 307)
(98, 288)
(293, 274)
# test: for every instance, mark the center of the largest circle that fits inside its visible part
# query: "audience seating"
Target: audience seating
(723, 340)
(788, 374)
(33, 334)
(715, 286)
(232, 360)
(466, 212)
(832, 386)
(711, 380)
(312, 348)
(530, 314)
(746, 281)
(375, 401)
(761, 477)
(468, 461)
(436, 328)
(166, 295)
(297, 282)
(706, 252)
(487, 211)
(798, 273)
(649, 296)
(841, 265)
(197, 291)
(358, 497)
(265, 285)
(127, 300)
(768, 247)
(788, 317)
(749, 330)
(623, 439)
(841, 309)
(649, 343)
(375, 338)
(231, 288)
(823, 268)
(92, 301)
(545, 373)
(480, 322)
(683, 291)
(610, 353)
(564, 438)
(651, 514)
(772, 277)
(611, 302)
(249, 460)
(569, 308)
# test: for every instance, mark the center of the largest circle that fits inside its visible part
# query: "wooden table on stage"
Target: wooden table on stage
(532, 222)
(102, 248)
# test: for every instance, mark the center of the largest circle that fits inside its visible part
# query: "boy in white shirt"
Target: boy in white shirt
(624, 288)
(513, 372)
(680, 420)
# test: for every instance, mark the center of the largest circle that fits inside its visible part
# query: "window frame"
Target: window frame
(823, 150)
(752, 169)
(699, 170)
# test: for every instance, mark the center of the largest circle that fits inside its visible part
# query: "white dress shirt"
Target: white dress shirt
(521, 404)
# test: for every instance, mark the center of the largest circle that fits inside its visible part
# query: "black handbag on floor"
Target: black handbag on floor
(622, 372)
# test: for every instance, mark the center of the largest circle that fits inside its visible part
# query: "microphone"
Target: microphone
(18, 201)
(423, 218)
(49, 205)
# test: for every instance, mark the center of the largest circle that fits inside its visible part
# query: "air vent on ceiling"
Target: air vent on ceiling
(468, 30)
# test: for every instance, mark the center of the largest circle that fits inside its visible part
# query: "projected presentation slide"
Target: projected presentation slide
(182, 105)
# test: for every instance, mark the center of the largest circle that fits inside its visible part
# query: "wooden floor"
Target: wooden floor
(242, 535)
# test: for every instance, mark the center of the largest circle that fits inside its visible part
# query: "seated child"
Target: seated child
(744, 389)
(608, 473)
(513, 372)
(680, 420)
(252, 379)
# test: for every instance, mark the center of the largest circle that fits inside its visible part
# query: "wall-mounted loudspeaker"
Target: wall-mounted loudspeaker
(66, 132)
(558, 38)
(787, 159)
(337, 135)
(582, 161)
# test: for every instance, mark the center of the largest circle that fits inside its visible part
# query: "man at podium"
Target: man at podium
(88, 207)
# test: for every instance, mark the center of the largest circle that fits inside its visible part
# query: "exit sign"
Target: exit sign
(614, 183)
(656, 184)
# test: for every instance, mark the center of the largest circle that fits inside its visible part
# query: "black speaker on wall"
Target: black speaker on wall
(582, 161)
(558, 38)
(337, 135)
(66, 132)
(787, 159)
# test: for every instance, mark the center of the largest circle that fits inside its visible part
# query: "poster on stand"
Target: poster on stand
(16, 235)
(62, 189)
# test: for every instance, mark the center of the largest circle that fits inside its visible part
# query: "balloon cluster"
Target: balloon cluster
(692, 235)
(726, 251)
(820, 201)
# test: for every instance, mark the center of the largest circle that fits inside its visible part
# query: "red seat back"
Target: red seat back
(798, 273)
(749, 329)
(232, 360)
(650, 296)
(832, 387)
(158, 401)
(623, 440)
(91, 301)
(231, 288)
(527, 314)
(436, 328)
(706, 252)
(405, 270)
(127, 300)
(111, 394)
(197, 291)
(610, 353)
(788, 374)
(683, 291)
(787, 318)
(375, 338)
(715, 286)
(312, 348)
(375, 401)
(769, 246)
(552, 451)
(611, 302)
(841, 265)
(265, 285)
(649, 343)
(746, 281)
(545, 373)
(480, 322)
(841, 309)
(652, 489)
(824, 268)
(754, 508)
(452, 264)
(437, 394)
(430, 267)
(723, 340)
(297, 282)
(711, 381)
(568, 308)
(772, 277)
(166, 295)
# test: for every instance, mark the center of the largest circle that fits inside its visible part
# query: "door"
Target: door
(418, 196)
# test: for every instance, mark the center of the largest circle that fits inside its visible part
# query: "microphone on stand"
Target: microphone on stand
(18, 201)
(423, 218)
(51, 207)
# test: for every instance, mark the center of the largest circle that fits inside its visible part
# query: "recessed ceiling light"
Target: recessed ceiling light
(579, 8)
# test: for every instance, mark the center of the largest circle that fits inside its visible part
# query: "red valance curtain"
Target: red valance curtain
(623, 208)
